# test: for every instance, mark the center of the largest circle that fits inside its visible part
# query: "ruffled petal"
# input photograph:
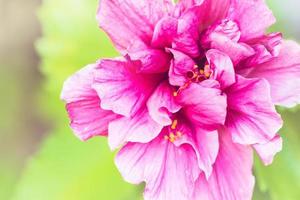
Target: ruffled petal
(251, 116)
(152, 60)
(205, 144)
(204, 105)
(267, 151)
(164, 32)
(225, 37)
(180, 65)
(83, 105)
(140, 128)
(169, 171)
(266, 48)
(222, 68)
(121, 88)
(253, 17)
(194, 17)
(232, 177)
(283, 74)
(162, 104)
(207, 11)
(135, 18)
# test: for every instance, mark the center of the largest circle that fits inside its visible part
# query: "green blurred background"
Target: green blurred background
(42, 43)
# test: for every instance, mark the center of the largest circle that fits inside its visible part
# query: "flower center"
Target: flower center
(174, 133)
(197, 75)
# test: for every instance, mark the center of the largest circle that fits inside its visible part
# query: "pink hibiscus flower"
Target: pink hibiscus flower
(191, 97)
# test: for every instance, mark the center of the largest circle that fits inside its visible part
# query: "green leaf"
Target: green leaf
(281, 179)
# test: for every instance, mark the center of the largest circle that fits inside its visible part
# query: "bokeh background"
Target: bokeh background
(42, 43)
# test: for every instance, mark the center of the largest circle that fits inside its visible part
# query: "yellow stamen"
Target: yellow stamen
(201, 71)
(172, 136)
(174, 124)
(175, 94)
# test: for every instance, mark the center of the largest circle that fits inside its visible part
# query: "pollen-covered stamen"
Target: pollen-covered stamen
(198, 74)
(174, 134)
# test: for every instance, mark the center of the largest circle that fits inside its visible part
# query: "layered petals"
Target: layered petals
(162, 104)
(117, 17)
(253, 17)
(282, 73)
(83, 105)
(169, 171)
(198, 15)
(267, 151)
(222, 68)
(232, 177)
(204, 105)
(266, 48)
(151, 60)
(251, 116)
(121, 88)
(180, 65)
(140, 128)
(164, 32)
(225, 37)
(205, 144)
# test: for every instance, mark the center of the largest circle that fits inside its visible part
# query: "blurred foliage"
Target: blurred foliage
(281, 179)
(67, 169)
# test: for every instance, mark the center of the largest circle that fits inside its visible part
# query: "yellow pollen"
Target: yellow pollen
(201, 71)
(178, 134)
(175, 94)
(172, 137)
(174, 124)
(207, 74)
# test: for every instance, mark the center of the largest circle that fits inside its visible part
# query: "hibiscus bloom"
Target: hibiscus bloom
(190, 98)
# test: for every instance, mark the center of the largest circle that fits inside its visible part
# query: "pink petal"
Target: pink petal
(169, 171)
(269, 150)
(222, 67)
(184, 5)
(283, 74)
(205, 144)
(121, 88)
(162, 104)
(128, 20)
(164, 32)
(266, 48)
(196, 18)
(212, 11)
(251, 116)
(83, 105)
(253, 17)
(204, 105)
(224, 37)
(180, 65)
(232, 177)
(140, 128)
(187, 37)
(152, 60)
